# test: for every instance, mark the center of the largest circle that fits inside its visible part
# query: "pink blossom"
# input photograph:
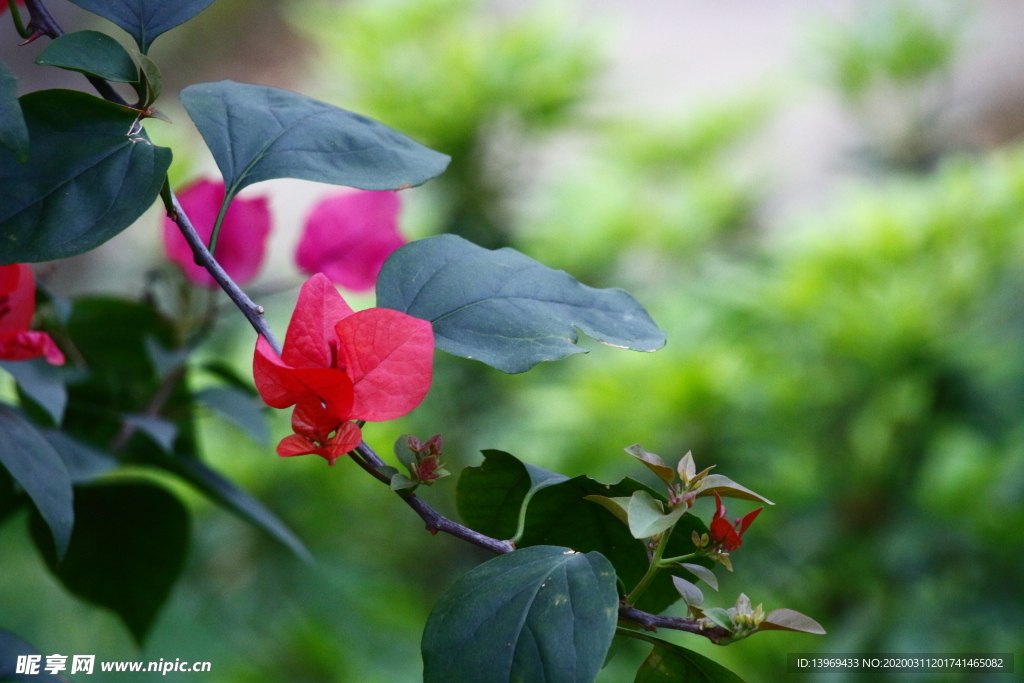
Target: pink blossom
(349, 236)
(243, 236)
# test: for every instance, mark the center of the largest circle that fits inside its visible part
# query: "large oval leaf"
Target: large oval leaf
(145, 20)
(493, 497)
(259, 133)
(91, 53)
(539, 614)
(505, 309)
(87, 177)
(127, 550)
(13, 133)
(39, 470)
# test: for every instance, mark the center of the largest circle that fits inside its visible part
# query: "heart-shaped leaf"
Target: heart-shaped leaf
(670, 663)
(390, 358)
(505, 309)
(790, 620)
(727, 488)
(538, 614)
(88, 177)
(126, 552)
(39, 470)
(91, 53)
(259, 133)
(653, 462)
(647, 516)
(145, 20)
(493, 497)
(13, 131)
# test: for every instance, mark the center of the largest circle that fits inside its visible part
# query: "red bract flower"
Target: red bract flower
(243, 235)
(337, 366)
(348, 237)
(729, 535)
(17, 306)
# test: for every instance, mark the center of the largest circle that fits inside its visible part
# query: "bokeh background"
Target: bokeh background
(820, 201)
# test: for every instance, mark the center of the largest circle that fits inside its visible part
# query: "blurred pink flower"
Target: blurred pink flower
(349, 236)
(243, 236)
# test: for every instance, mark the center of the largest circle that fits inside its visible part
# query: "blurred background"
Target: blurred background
(820, 201)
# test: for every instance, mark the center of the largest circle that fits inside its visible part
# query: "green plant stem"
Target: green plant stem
(652, 571)
(682, 558)
(19, 26)
(215, 235)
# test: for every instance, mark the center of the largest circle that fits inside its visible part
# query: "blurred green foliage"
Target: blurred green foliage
(863, 368)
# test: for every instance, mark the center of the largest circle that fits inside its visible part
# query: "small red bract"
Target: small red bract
(348, 237)
(338, 366)
(730, 536)
(242, 243)
(17, 306)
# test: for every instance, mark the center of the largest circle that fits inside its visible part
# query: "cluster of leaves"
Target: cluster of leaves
(126, 399)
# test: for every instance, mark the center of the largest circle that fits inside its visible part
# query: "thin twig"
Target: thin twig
(365, 456)
(156, 404)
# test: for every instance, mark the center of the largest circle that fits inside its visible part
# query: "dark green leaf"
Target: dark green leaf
(720, 617)
(230, 376)
(259, 133)
(162, 432)
(400, 482)
(13, 132)
(560, 515)
(493, 497)
(505, 309)
(10, 498)
(539, 614)
(91, 53)
(38, 469)
(241, 409)
(227, 494)
(151, 81)
(670, 663)
(145, 20)
(647, 516)
(84, 463)
(43, 383)
(87, 178)
(127, 550)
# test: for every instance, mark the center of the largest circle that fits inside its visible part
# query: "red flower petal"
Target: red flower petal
(311, 341)
(17, 298)
(389, 356)
(349, 236)
(295, 445)
(243, 235)
(282, 386)
(311, 420)
(348, 437)
(29, 345)
(748, 518)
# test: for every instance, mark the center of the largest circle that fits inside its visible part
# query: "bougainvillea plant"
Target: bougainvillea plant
(577, 562)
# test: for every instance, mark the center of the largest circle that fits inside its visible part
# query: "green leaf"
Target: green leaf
(702, 573)
(505, 309)
(225, 493)
(405, 455)
(239, 408)
(493, 497)
(669, 663)
(259, 133)
(727, 488)
(720, 617)
(561, 515)
(653, 462)
(43, 383)
(145, 20)
(13, 131)
(32, 462)
(400, 482)
(647, 516)
(538, 614)
(91, 53)
(691, 594)
(127, 550)
(11, 499)
(790, 620)
(88, 177)
(617, 506)
(162, 432)
(151, 81)
(83, 462)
